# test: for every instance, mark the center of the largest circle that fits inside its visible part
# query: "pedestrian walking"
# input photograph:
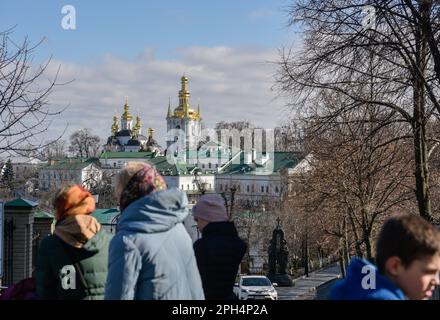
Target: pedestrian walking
(220, 249)
(151, 255)
(72, 263)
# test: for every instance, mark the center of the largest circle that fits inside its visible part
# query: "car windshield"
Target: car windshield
(256, 282)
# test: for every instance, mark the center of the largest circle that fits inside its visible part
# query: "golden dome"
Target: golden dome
(184, 109)
(115, 126)
(126, 115)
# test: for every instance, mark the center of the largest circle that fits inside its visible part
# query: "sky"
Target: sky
(140, 49)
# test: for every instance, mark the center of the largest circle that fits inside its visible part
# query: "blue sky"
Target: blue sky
(141, 48)
(123, 28)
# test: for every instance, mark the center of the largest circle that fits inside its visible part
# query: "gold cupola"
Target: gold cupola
(184, 109)
(137, 127)
(126, 115)
(150, 132)
(115, 126)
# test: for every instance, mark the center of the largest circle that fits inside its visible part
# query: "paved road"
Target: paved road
(316, 286)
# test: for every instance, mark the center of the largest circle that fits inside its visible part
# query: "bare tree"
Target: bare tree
(105, 191)
(24, 100)
(55, 149)
(239, 125)
(255, 218)
(289, 137)
(84, 144)
(342, 54)
(357, 178)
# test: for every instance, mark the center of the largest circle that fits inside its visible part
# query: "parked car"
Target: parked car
(255, 287)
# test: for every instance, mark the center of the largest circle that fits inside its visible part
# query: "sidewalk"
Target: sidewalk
(305, 288)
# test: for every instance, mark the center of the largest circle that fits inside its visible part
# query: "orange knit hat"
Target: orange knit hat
(73, 200)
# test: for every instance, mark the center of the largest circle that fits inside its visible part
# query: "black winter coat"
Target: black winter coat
(219, 253)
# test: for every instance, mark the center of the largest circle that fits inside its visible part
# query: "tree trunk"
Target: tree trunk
(419, 128)
(357, 242)
(367, 240)
(346, 248)
(342, 263)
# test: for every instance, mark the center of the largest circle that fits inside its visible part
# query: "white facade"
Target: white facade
(123, 140)
(132, 148)
(250, 186)
(23, 166)
(126, 124)
(187, 184)
(210, 157)
(113, 162)
(52, 177)
(191, 129)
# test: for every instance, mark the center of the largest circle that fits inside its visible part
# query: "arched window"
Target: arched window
(267, 189)
(187, 187)
(247, 188)
(276, 189)
(262, 188)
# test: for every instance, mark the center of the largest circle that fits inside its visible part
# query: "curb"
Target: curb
(313, 289)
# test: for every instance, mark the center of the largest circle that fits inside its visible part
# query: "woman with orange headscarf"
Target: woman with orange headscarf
(72, 263)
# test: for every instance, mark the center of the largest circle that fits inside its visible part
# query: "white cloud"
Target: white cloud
(232, 85)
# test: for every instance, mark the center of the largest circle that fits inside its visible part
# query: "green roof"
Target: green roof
(72, 164)
(167, 169)
(124, 155)
(281, 160)
(106, 216)
(43, 215)
(201, 154)
(22, 203)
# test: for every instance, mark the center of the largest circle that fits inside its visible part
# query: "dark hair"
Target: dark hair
(407, 237)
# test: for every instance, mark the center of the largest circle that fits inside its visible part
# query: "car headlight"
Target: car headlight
(244, 291)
